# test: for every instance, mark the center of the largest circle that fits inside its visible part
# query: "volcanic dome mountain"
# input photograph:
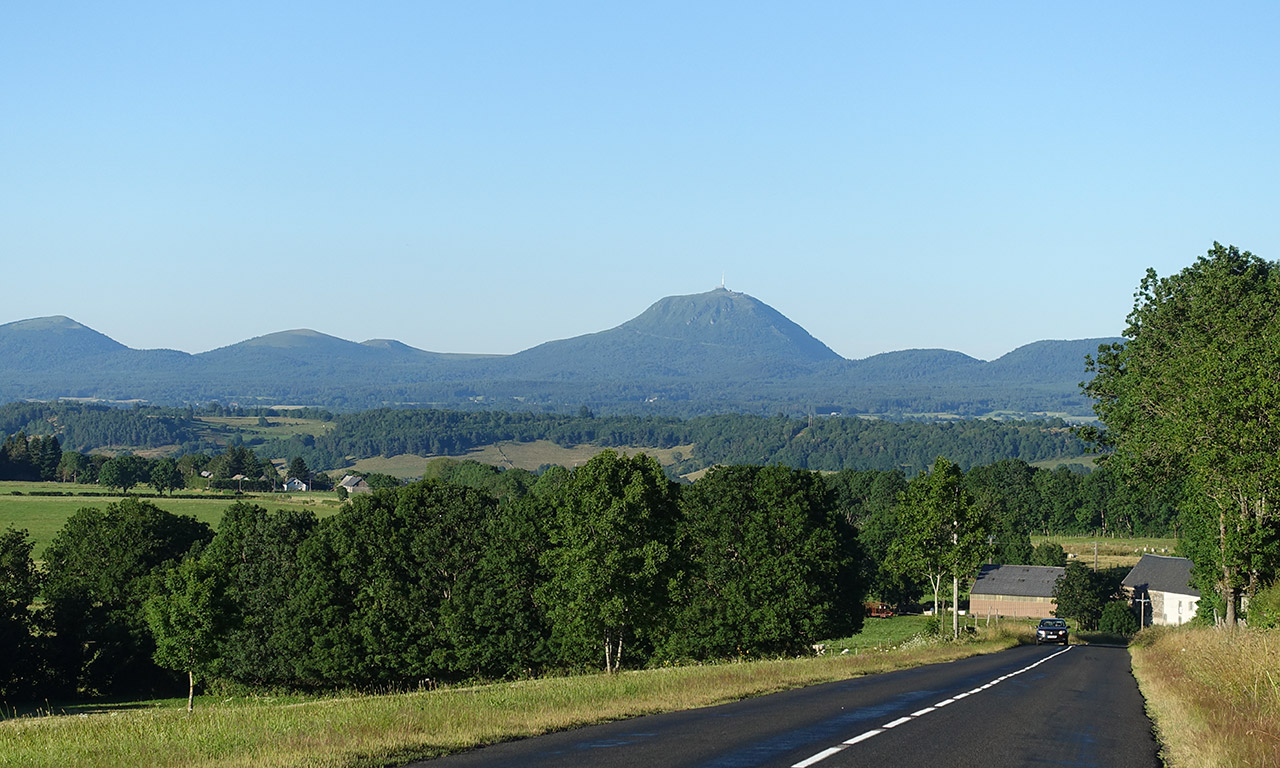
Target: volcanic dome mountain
(719, 351)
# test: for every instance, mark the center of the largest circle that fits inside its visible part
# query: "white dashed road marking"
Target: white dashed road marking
(824, 754)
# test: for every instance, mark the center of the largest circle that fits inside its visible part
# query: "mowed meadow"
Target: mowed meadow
(42, 516)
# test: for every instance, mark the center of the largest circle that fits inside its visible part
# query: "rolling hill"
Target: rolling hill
(714, 352)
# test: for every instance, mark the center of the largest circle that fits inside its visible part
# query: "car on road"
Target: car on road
(1051, 631)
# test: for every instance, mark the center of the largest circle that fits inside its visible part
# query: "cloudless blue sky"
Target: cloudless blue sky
(483, 177)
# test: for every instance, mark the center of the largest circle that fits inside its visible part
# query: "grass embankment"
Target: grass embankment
(1213, 694)
(394, 729)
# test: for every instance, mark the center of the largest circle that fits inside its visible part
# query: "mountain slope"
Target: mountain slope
(714, 335)
(52, 340)
(713, 352)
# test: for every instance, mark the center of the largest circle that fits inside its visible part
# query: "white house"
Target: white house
(1160, 589)
(294, 484)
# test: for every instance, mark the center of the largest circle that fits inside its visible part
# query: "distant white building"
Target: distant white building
(1160, 590)
(294, 484)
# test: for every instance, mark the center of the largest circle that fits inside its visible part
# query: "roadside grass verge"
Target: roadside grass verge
(1213, 694)
(395, 729)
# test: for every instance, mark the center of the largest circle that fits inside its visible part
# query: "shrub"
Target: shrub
(1117, 619)
(932, 627)
(1264, 607)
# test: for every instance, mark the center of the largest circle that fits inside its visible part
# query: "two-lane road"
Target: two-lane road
(1077, 706)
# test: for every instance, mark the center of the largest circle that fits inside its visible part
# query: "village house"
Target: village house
(354, 484)
(1014, 591)
(294, 484)
(1159, 589)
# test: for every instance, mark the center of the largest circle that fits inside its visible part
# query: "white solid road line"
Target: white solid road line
(824, 754)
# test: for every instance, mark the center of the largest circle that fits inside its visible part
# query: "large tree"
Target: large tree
(255, 558)
(1193, 396)
(942, 531)
(20, 663)
(186, 615)
(610, 560)
(102, 566)
(770, 565)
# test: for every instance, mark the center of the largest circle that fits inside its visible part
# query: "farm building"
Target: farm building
(1160, 588)
(295, 484)
(355, 484)
(1014, 590)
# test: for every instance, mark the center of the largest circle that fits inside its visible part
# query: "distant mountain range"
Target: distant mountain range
(713, 352)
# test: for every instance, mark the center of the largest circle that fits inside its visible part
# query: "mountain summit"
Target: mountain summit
(713, 352)
(718, 334)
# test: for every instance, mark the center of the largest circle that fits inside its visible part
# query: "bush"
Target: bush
(1118, 619)
(1264, 607)
(932, 627)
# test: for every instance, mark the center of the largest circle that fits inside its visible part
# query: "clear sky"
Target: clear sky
(483, 177)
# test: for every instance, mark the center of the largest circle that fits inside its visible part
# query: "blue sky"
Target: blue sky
(483, 177)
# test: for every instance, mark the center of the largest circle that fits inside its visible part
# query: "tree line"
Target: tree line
(608, 566)
(827, 443)
(823, 443)
(477, 572)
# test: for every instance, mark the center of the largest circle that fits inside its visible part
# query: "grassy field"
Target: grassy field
(43, 516)
(1111, 552)
(1214, 695)
(278, 426)
(510, 455)
(390, 729)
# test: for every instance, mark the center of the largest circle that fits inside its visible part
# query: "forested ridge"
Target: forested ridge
(821, 443)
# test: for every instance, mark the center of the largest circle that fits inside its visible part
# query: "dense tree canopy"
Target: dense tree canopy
(1193, 397)
(102, 566)
(769, 565)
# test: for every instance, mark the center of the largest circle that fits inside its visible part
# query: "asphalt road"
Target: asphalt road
(1028, 706)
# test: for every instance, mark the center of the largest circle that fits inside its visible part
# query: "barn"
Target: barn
(1014, 590)
(1160, 590)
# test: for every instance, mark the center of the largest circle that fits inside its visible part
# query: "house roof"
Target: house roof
(1160, 573)
(1017, 580)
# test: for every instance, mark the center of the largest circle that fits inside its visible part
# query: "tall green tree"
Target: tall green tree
(185, 616)
(610, 560)
(164, 476)
(122, 472)
(21, 665)
(102, 566)
(770, 565)
(1082, 594)
(942, 532)
(255, 556)
(298, 469)
(1193, 396)
(380, 581)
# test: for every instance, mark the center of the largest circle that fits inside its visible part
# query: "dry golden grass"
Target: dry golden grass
(511, 455)
(1214, 695)
(1111, 552)
(380, 730)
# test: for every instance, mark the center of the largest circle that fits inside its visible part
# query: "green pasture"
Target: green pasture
(44, 516)
(278, 426)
